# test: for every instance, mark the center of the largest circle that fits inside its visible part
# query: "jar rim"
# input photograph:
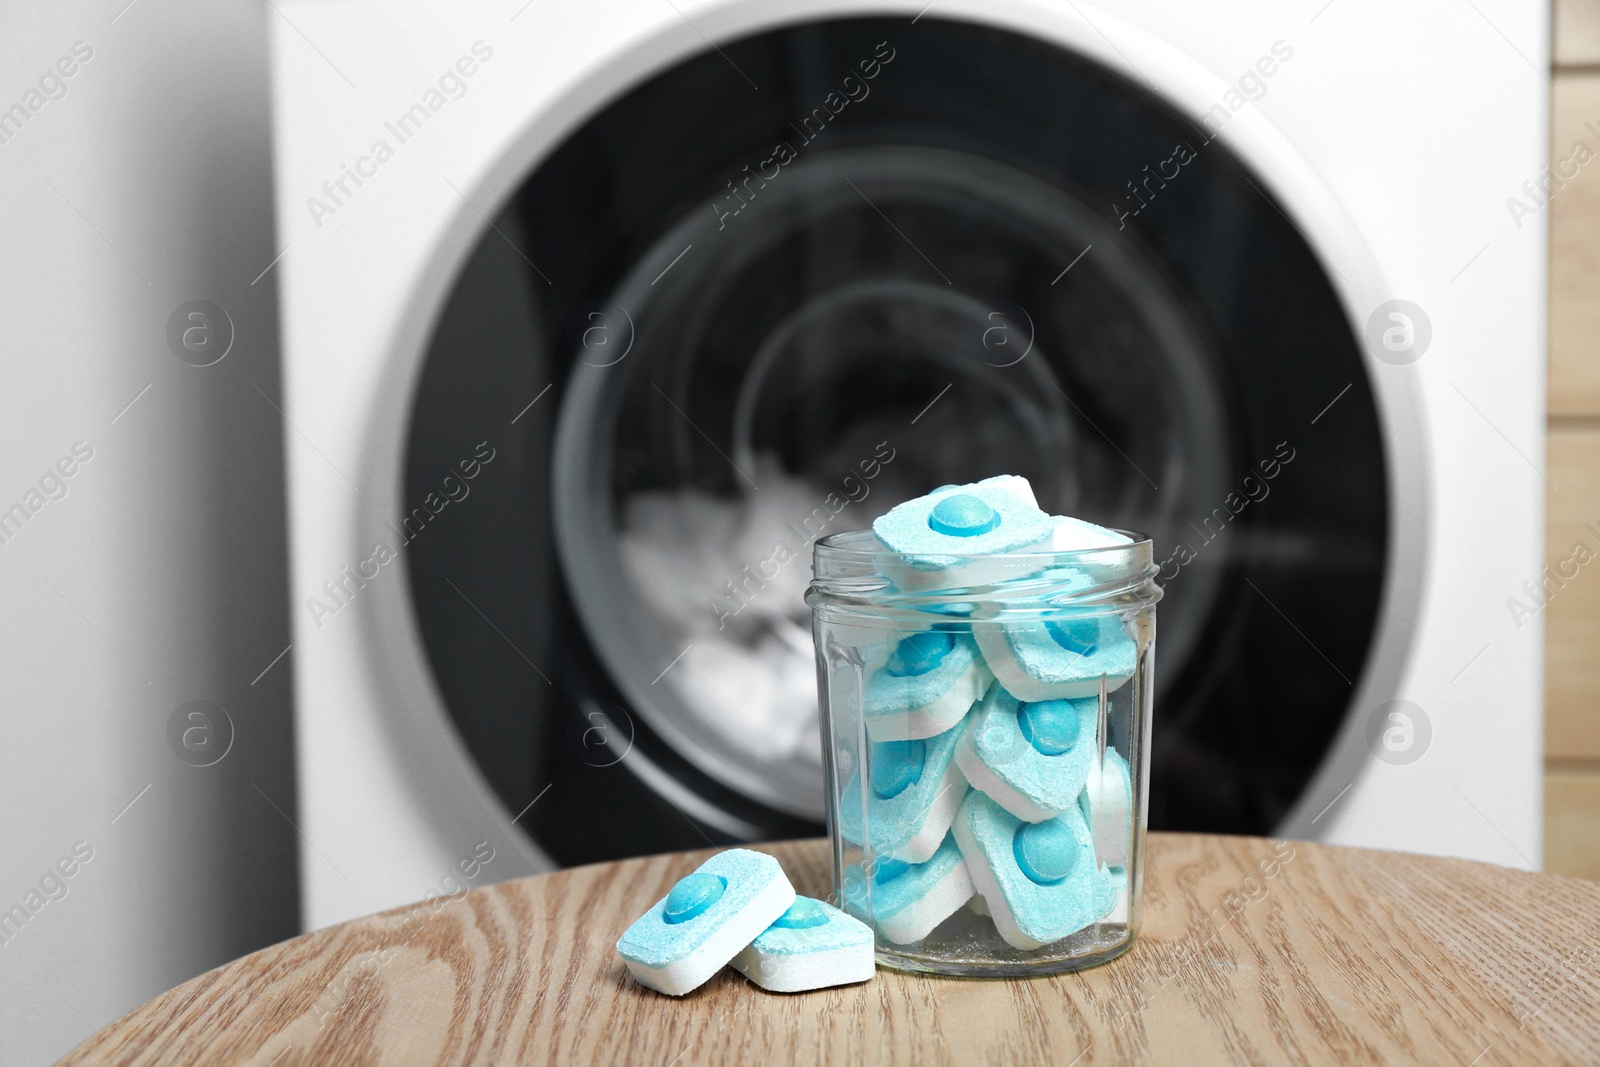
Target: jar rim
(856, 567)
(863, 547)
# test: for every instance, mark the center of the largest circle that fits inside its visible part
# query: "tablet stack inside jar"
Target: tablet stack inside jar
(985, 785)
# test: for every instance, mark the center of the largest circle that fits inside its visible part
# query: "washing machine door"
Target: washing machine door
(920, 254)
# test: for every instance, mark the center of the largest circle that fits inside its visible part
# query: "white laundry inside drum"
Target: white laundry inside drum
(704, 566)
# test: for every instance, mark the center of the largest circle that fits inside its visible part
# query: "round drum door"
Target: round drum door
(918, 254)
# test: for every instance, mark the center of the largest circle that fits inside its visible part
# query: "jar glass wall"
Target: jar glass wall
(987, 740)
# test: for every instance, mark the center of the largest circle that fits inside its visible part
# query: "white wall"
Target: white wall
(158, 578)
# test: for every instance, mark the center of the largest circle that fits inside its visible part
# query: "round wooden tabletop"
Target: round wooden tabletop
(1253, 951)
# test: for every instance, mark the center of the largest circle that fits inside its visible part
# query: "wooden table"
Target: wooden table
(1340, 956)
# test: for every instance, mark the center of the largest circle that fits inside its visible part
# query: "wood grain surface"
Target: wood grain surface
(1342, 956)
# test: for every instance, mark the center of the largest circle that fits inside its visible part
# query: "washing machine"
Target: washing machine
(596, 315)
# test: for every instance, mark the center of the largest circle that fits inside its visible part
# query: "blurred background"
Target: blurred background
(417, 417)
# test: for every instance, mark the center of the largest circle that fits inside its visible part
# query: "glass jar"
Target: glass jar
(987, 746)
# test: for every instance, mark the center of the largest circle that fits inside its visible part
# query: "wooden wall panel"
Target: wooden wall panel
(1572, 619)
(1574, 388)
(1572, 821)
(1577, 32)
